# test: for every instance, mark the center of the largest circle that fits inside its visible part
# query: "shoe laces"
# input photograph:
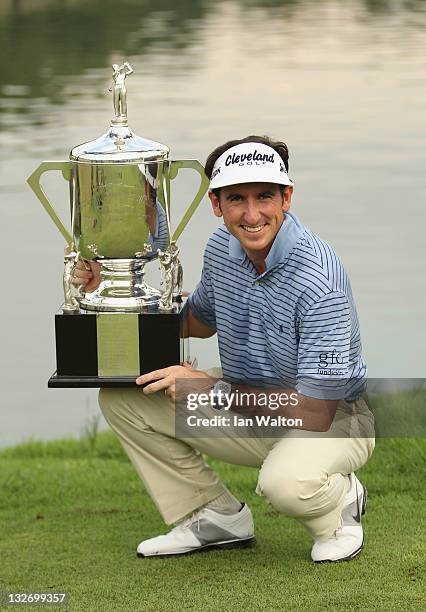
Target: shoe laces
(186, 523)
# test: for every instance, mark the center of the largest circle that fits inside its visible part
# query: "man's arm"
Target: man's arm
(314, 414)
(194, 328)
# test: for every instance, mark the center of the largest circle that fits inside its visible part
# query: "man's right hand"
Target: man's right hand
(87, 274)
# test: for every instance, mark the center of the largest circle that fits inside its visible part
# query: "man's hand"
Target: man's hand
(88, 274)
(165, 379)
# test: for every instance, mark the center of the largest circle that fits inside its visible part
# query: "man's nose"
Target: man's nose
(251, 213)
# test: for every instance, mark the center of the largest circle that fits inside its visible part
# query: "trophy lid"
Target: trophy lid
(119, 145)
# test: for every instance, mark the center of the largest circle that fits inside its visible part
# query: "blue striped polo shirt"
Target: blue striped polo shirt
(160, 239)
(294, 326)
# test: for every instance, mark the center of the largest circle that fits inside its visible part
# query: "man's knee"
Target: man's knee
(291, 494)
(108, 400)
(133, 406)
(117, 404)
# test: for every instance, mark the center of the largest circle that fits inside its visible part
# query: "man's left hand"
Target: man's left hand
(165, 379)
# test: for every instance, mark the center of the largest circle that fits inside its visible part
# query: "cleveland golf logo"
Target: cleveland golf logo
(249, 159)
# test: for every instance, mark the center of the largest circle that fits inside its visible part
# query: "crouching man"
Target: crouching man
(280, 302)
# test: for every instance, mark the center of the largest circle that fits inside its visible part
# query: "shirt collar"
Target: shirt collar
(289, 233)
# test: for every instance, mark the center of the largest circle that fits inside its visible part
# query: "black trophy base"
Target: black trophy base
(96, 382)
(113, 349)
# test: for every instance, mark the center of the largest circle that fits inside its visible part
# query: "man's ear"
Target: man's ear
(215, 204)
(287, 194)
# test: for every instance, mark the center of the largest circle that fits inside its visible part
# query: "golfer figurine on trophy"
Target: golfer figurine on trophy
(119, 89)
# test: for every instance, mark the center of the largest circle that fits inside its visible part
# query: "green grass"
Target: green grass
(73, 511)
(400, 414)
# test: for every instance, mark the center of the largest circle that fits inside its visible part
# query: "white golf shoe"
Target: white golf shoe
(348, 538)
(205, 529)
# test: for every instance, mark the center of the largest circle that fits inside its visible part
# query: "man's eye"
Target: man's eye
(265, 196)
(235, 198)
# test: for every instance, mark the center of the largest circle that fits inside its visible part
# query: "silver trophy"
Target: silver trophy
(121, 217)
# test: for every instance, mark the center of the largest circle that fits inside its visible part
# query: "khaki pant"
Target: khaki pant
(303, 474)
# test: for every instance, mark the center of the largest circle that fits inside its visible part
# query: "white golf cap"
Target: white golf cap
(249, 162)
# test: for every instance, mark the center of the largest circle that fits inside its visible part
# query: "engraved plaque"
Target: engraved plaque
(118, 344)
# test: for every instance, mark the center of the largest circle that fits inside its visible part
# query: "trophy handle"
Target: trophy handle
(34, 182)
(175, 166)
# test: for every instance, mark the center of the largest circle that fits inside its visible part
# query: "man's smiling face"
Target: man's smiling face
(253, 213)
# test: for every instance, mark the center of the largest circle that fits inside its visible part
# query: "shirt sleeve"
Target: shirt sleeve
(324, 343)
(201, 301)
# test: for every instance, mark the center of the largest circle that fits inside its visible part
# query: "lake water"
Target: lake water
(344, 83)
